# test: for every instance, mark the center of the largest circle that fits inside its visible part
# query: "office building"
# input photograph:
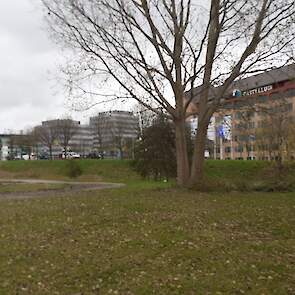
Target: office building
(254, 117)
(114, 132)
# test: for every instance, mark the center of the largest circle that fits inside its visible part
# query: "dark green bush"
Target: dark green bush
(155, 152)
(274, 186)
(73, 168)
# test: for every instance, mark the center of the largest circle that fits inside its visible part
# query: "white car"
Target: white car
(71, 155)
(26, 157)
(29, 157)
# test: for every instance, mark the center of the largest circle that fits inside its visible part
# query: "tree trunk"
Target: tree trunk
(66, 152)
(197, 169)
(50, 152)
(121, 152)
(181, 153)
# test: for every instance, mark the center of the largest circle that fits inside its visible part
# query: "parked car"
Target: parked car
(71, 155)
(32, 156)
(12, 157)
(26, 157)
(43, 156)
(95, 155)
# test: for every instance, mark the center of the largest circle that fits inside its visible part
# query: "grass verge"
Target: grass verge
(149, 241)
(148, 238)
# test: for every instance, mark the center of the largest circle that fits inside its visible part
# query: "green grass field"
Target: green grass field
(147, 238)
(110, 170)
(220, 175)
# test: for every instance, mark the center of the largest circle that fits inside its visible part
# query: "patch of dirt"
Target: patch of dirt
(72, 188)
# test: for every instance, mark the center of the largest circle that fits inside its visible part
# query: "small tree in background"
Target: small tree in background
(117, 137)
(99, 126)
(47, 135)
(155, 153)
(12, 147)
(24, 143)
(67, 128)
(275, 133)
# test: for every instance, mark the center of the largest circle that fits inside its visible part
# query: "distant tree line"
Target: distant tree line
(58, 132)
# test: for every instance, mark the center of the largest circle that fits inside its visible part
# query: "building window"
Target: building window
(227, 149)
(289, 107)
(290, 93)
(276, 95)
(262, 99)
(238, 115)
(239, 149)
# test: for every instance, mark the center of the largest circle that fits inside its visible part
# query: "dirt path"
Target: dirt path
(72, 188)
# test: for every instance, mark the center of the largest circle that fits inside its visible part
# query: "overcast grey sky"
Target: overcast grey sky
(29, 60)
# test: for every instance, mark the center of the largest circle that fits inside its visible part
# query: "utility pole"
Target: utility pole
(221, 147)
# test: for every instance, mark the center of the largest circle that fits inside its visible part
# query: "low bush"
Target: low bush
(73, 169)
(274, 186)
(267, 185)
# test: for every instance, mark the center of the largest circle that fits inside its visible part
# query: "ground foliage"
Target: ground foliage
(99, 170)
(147, 240)
(220, 176)
(73, 168)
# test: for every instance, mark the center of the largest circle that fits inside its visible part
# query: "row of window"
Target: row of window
(245, 125)
(238, 149)
(239, 158)
(227, 149)
(244, 138)
(254, 158)
(250, 148)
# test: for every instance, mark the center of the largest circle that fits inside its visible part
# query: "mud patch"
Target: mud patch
(54, 188)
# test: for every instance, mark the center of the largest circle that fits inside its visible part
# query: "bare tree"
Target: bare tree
(12, 147)
(290, 143)
(30, 142)
(47, 135)
(118, 137)
(1, 152)
(67, 128)
(274, 134)
(23, 143)
(145, 117)
(99, 129)
(155, 51)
